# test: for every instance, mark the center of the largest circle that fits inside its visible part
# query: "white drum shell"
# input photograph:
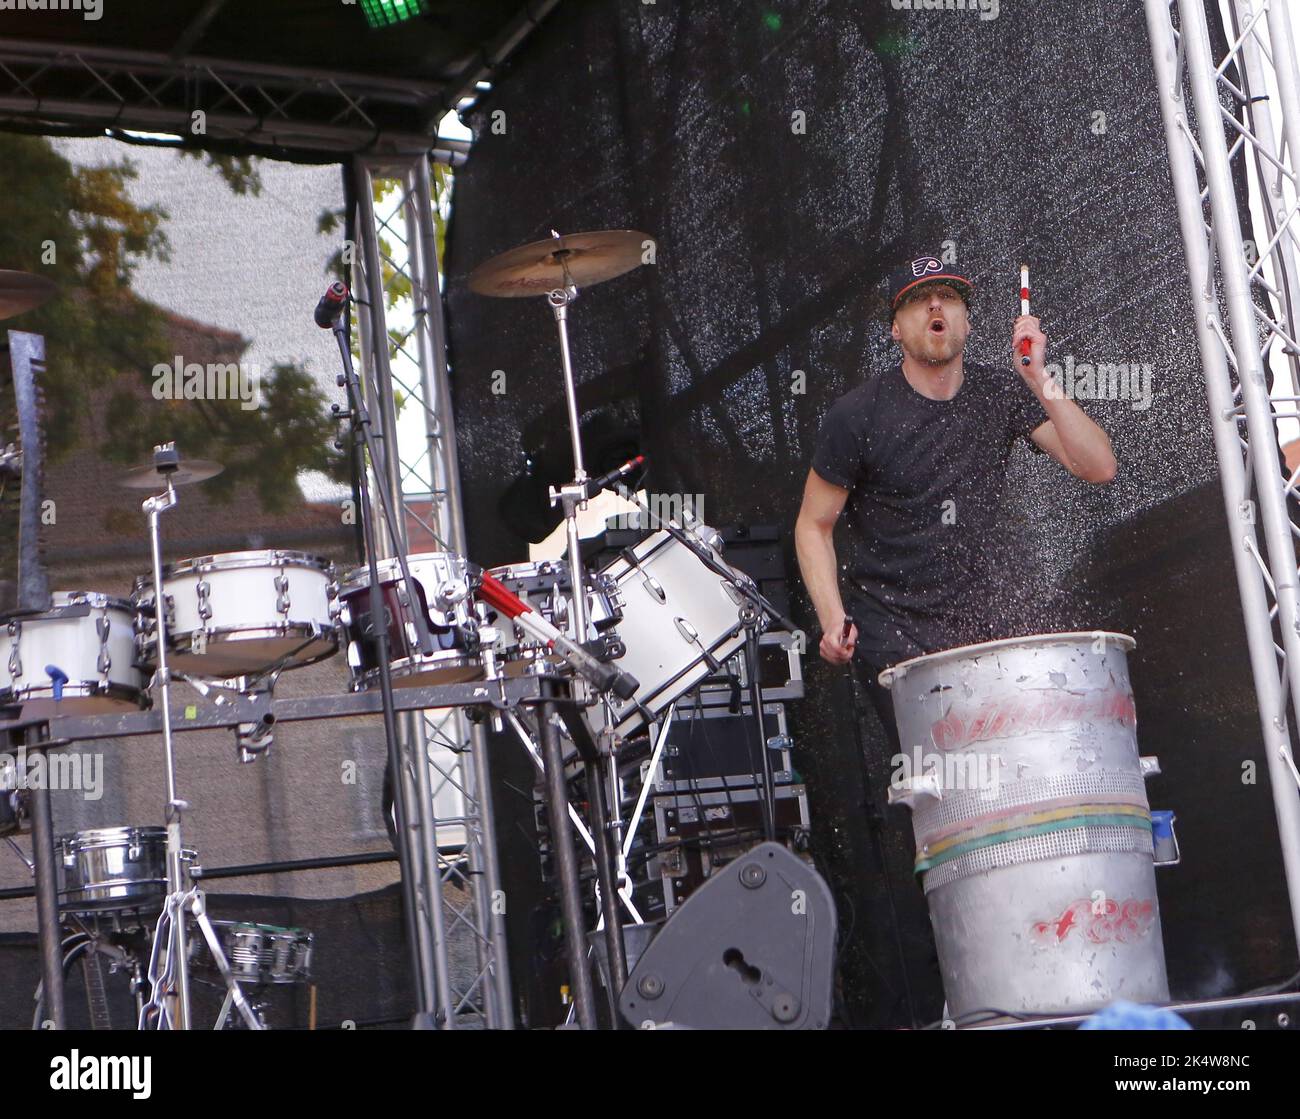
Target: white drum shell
(664, 661)
(103, 674)
(240, 613)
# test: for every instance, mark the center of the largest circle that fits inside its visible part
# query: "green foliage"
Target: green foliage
(263, 448)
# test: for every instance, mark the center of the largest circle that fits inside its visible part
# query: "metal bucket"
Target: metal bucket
(1033, 831)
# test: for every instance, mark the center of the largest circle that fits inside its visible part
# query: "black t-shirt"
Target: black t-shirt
(933, 556)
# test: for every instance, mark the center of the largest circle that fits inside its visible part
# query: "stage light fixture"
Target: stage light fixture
(385, 13)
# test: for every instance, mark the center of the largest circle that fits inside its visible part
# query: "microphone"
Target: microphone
(595, 485)
(331, 305)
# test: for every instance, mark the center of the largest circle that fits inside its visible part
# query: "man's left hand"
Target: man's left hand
(1035, 373)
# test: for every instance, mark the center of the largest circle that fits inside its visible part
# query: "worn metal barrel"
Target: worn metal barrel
(1033, 832)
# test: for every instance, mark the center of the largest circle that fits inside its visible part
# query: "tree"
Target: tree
(78, 226)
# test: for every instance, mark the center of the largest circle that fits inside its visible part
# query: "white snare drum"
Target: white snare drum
(677, 614)
(90, 637)
(442, 592)
(544, 585)
(256, 954)
(241, 613)
(113, 870)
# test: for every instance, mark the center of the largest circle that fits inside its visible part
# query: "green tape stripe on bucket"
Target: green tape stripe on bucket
(1123, 820)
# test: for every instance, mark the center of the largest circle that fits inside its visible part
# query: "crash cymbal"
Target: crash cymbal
(190, 471)
(582, 259)
(21, 291)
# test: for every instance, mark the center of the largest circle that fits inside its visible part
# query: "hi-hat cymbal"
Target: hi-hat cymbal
(191, 470)
(21, 291)
(582, 259)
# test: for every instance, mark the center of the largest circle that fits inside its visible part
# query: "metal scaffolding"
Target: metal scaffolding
(1218, 110)
(403, 350)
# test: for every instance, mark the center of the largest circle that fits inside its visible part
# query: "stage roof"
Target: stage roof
(302, 79)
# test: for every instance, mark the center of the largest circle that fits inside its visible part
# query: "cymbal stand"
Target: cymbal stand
(605, 823)
(169, 1003)
(167, 461)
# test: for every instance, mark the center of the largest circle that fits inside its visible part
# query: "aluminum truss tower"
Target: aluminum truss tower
(403, 349)
(1219, 110)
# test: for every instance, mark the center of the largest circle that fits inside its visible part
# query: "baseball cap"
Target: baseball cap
(924, 270)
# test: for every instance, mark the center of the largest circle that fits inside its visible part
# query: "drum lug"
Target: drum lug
(15, 661)
(104, 661)
(282, 593)
(204, 590)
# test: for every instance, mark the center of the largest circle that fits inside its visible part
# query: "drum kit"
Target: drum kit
(624, 642)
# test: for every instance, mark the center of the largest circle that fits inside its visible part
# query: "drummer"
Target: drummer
(918, 454)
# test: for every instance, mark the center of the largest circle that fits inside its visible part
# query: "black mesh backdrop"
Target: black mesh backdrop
(782, 155)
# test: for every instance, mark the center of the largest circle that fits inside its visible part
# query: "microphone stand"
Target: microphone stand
(363, 436)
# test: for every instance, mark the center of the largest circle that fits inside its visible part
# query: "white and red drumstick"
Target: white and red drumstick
(1024, 310)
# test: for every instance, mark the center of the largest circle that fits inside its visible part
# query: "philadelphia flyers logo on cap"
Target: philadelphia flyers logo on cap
(923, 265)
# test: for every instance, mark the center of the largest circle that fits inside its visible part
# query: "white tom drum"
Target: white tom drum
(680, 619)
(241, 613)
(87, 637)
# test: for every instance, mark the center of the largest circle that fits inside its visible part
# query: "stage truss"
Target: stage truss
(1219, 112)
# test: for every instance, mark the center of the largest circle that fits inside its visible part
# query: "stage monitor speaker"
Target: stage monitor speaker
(753, 948)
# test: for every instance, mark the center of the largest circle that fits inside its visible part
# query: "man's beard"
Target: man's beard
(939, 349)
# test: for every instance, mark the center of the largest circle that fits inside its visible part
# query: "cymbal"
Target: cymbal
(582, 259)
(21, 291)
(190, 471)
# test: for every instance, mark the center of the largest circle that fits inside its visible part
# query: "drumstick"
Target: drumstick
(1024, 310)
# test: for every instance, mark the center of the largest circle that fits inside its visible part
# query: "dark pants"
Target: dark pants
(881, 699)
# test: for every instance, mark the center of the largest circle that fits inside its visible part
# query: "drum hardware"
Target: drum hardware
(556, 267)
(168, 971)
(168, 1005)
(90, 945)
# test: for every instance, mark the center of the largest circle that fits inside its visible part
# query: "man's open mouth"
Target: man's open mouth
(937, 326)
